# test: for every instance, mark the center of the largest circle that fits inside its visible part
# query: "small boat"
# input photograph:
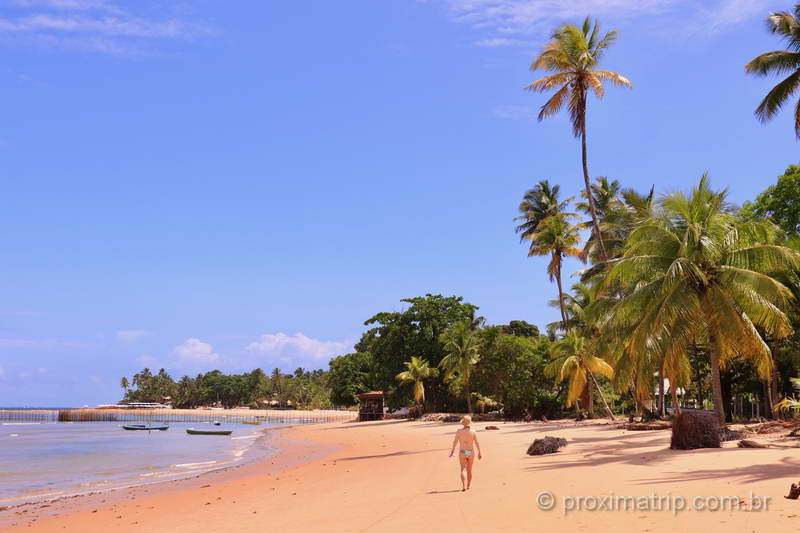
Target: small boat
(253, 423)
(142, 427)
(217, 423)
(192, 431)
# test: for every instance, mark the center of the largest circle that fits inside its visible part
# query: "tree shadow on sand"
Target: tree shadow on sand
(392, 454)
(628, 449)
(786, 467)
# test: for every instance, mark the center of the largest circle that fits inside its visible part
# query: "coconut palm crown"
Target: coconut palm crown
(780, 62)
(572, 56)
(695, 272)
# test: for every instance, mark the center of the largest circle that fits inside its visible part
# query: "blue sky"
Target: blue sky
(236, 184)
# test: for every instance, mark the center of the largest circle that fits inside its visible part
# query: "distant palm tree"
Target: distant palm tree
(573, 363)
(537, 204)
(579, 308)
(418, 370)
(786, 25)
(692, 272)
(125, 384)
(462, 345)
(558, 238)
(572, 54)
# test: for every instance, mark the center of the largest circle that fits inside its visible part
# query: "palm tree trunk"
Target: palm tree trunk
(662, 409)
(716, 383)
(773, 385)
(588, 185)
(561, 299)
(676, 407)
(602, 397)
(469, 396)
(590, 403)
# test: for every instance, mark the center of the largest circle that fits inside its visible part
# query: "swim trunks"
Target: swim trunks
(466, 453)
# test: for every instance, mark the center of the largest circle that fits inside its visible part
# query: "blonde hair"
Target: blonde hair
(466, 420)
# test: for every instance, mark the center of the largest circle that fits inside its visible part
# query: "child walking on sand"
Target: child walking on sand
(465, 438)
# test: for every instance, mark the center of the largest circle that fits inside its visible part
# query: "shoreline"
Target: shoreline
(396, 476)
(11, 516)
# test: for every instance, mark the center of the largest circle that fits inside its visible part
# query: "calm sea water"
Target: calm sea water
(41, 461)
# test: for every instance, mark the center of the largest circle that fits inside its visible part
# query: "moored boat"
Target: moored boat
(192, 431)
(142, 427)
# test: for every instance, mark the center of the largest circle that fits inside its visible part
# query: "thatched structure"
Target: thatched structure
(370, 406)
(546, 445)
(695, 429)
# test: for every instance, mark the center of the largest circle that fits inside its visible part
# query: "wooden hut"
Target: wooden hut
(370, 406)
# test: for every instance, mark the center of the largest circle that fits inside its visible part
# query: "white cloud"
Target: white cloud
(288, 347)
(67, 5)
(195, 351)
(132, 335)
(500, 18)
(495, 42)
(97, 25)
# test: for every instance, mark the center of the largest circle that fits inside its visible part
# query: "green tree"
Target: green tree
(538, 204)
(348, 376)
(462, 346)
(780, 202)
(417, 329)
(521, 328)
(572, 363)
(418, 370)
(511, 370)
(780, 62)
(695, 271)
(572, 55)
(556, 237)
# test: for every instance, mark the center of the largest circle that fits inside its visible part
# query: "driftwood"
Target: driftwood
(546, 445)
(752, 444)
(491, 427)
(794, 491)
(726, 434)
(695, 429)
(648, 426)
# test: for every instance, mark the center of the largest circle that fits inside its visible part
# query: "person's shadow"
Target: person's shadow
(443, 491)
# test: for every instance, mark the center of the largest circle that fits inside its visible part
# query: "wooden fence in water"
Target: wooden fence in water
(177, 415)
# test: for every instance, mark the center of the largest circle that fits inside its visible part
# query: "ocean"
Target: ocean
(48, 460)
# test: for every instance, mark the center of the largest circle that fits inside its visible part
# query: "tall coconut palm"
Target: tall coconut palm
(780, 62)
(696, 272)
(537, 204)
(558, 238)
(572, 55)
(462, 345)
(417, 371)
(573, 363)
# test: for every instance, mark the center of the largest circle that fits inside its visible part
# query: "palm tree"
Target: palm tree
(462, 346)
(692, 272)
(580, 320)
(572, 54)
(418, 370)
(537, 204)
(786, 25)
(572, 362)
(125, 384)
(558, 238)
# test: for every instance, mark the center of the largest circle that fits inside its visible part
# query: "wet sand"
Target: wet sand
(396, 476)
